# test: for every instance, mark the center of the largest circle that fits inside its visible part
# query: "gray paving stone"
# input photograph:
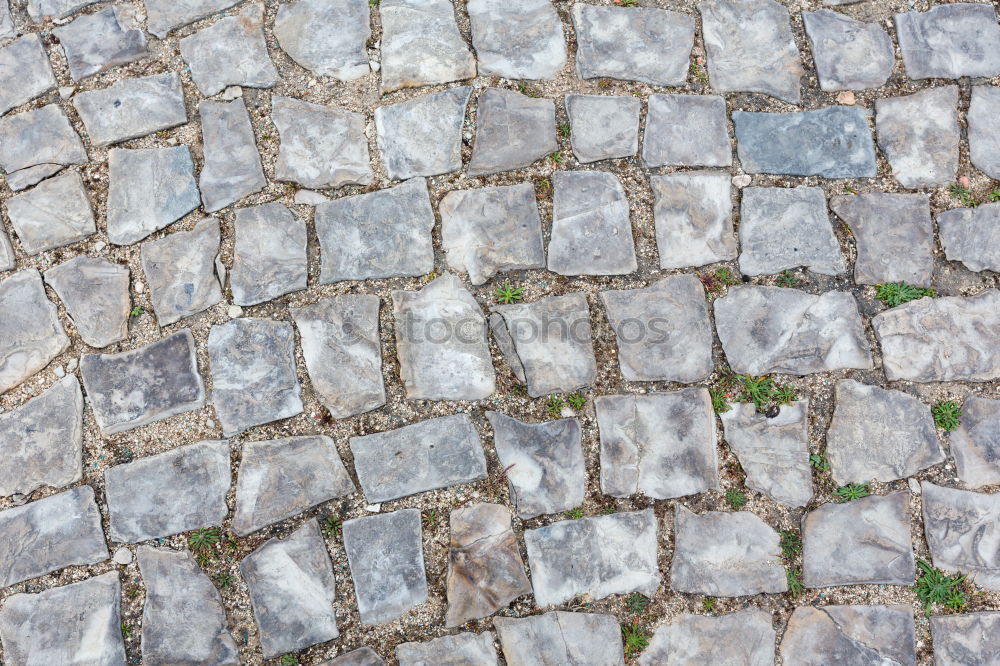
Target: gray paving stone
(342, 351)
(421, 45)
(984, 136)
(505, 343)
(7, 260)
(132, 108)
(37, 144)
(361, 657)
(102, 40)
(269, 257)
(341, 53)
(849, 54)
(95, 293)
(745, 637)
(282, 478)
(942, 339)
(512, 131)
(30, 332)
(633, 44)
(41, 10)
(436, 453)
(54, 213)
(686, 130)
(232, 168)
(519, 39)
(919, 135)
(591, 229)
(387, 564)
(490, 230)
(560, 637)
(149, 189)
(693, 214)
(230, 52)
(976, 443)
(167, 15)
(949, 42)
(972, 236)
(465, 649)
(961, 529)
(321, 146)
(48, 534)
(969, 638)
(422, 136)
(183, 620)
(663, 331)
(25, 72)
(7, 29)
(544, 463)
(751, 48)
(725, 554)
(253, 373)
(382, 234)
(603, 127)
(180, 269)
(850, 635)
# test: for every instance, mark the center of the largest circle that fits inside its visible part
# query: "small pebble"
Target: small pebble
(71, 366)
(373, 508)
(846, 97)
(59, 371)
(232, 92)
(209, 423)
(914, 485)
(741, 180)
(123, 556)
(66, 92)
(99, 246)
(139, 287)
(234, 311)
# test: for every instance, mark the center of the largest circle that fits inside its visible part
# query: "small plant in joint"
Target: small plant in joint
(994, 195)
(556, 157)
(963, 194)
(816, 461)
(290, 659)
(936, 587)
(787, 280)
(224, 579)
(795, 586)
(430, 518)
(136, 311)
(507, 294)
(575, 514)
(791, 544)
(203, 540)
(851, 492)
(332, 526)
(636, 638)
(947, 415)
(637, 603)
(897, 293)
(564, 130)
(736, 499)
(576, 401)
(708, 604)
(555, 406)
(720, 402)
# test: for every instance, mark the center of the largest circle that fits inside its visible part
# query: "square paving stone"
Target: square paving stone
(849, 54)
(96, 295)
(253, 373)
(37, 144)
(25, 72)
(970, 638)
(104, 39)
(30, 332)
(961, 527)
(517, 39)
(54, 213)
(230, 52)
(382, 234)
(818, 636)
(603, 127)
(984, 135)
(361, 657)
(465, 649)
(423, 136)
(167, 15)
(950, 41)
(512, 131)
(340, 53)
(181, 271)
(693, 214)
(686, 130)
(596, 557)
(132, 108)
(919, 135)
(861, 542)
(421, 45)
(48, 534)
(976, 443)
(269, 257)
(745, 637)
(168, 493)
(282, 478)
(431, 454)
(972, 236)
(387, 564)
(560, 637)
(232, 167)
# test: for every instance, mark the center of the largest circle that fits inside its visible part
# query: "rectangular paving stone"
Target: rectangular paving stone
(37, 144)
(421, 45)
(423, 136)
(30, 332)
(340, 53)
(961, 529)
(512, 131)
(230, 52)
(950, 41)
(850, 635)
(560, 637)
(102, 40)
(693, 214)
(745, 637)
(849, 54)
(972, 236)
(517, 39)
(603, 127)
(232, 167)
(269, 256)
(920, 136)
(966, 638)
(167, 15)
(686, 130)
(25, 72)
(132, 108)
(54, 213)
(984, 135)
(95, 293)
(465, 648)
(181, 271)
(976, 443)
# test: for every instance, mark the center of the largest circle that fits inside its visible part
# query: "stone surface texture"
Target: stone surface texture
(104, 39)
(25, 72)
(745, 637)
(950, 41)
(339, 53)
(230, 52)
(850, 635)
(232, 167)
(849, 54)
(686, 130)
(512, 131)
(920, 136)
(961, 528)
(54, 213)
(423, 136)
(132, 108)
(976, 443)
(603, 127)
(180, 269)
(560, 637)
(693, 215)
(37, 144)
(972, 236)
(269, 258)
(165, 16)
(421, 45)
(30, 332)
(517, 39)
(465, 649)
(984, 137)
(969, 638)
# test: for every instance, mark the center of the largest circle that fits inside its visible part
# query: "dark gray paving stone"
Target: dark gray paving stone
(46, 535)
(436, 453)
(382, 234)
(632, 44)
(423, 135)
(421, 45)
(387, 564)
(102, 40)
(95, 293)
(560, 637)
(961, 529)
(976, 443)
(465, 649)
(596, 557)
(168, 493)
(30, 332)
(167, 15)
(969, 638)
(850, 635)
(942, 339)
(751, 48)
(919, 135)
(41, 10)
(725, 554)
(686, 130)
(849, 54)
(181, 271)
(971, 236)
(132, 108)
(25, 72)
(183, 619)
(361, 657)
(230, 52)
(745, 637)
(603, 127)
(693, 214)
(147, 384)
(37, 144)
(269, 257)
(282, 478)
(341, 53)
(490, 230)
(232, 168)
(984, 136)
(950, 41)
(522, 39)
(54, 213)
(512, 131)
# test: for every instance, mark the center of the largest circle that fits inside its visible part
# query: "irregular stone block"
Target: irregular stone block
(96, 295)
(976, 443)
(512, 131)
(849, 54)
(517, 39)
(663, 331)
(7, 29)
(745, 637)
(387, 564)
(147, 384)
(282, 478)
(422, 136)
(751, 48)
(321, 146)
(421, 45)
(506, 345)
(232, 167)
(435, 453)
(7, 260)
(361, 657)
(604, 127)
(465, 648)
(340, 53)
(37, 144)
(41, 10)
(725, 554)
(865, 541)
(942, 339)
(25, 72)
(230, 52)
(919, 135)
(970, 235)
(850, 635)
(167, 15)
(183, 620)
(686, 130)
(168, 493)
(984, 136)
(560, 637)
(54, 213)
(598, 557)
(382, 234)
(46, 535)
(968, 638)
(961, 529)
(181, 269)
(269, 257)
(693, 214)
(102, 40)
(132, 108)
(30, 332)
(949, 42)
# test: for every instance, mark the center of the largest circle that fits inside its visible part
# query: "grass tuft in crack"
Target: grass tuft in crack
(897, 293)
(795, 586)
(935, 587)
(574, 514)
(736, 499)
(636, 638)
(637, 603)
(555, 406)
(851, 491)
(791, 544)
(202, 540)
(507, 294)
(947, 415)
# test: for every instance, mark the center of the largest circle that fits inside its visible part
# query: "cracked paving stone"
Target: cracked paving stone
(37, 144)
(818, 636)
(485, 569)
(961, 528)
(920, 136)
(422, 136)
(489, 230)
(342, 352)
(693, 214)
(745, 637)
(976, 443)
(942, 339)
(561, 637)
(517, 39)
(230, 52)
(725, 554)
(102, 40)
(543, 462)
(864, 541)
(512, 131)
(183, 619)
(773, 451)
(751, 48)
(147, 384)
(168, 493)
(969, 638)
(663, 331)
(132, 108)
(597, 557)
(950, 41)
(253, 372)
(31, 334)
(361, 657)
(320, 146)
(686, 130)
(984, 136)
(387, 564)
(421, 45)
(232, 167)
(442, 343)
(465, 649)
(603, 127)
(381, 234)
(181, 271)
(48, 534)
(971, 236)
(39, 11)
(849, 54)
(269, 257)
(292, 590)
(56, 212)
(435, 453)
(341, 53)
(168, 15)
(282, 478)
(149, 189)
(25, 72)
